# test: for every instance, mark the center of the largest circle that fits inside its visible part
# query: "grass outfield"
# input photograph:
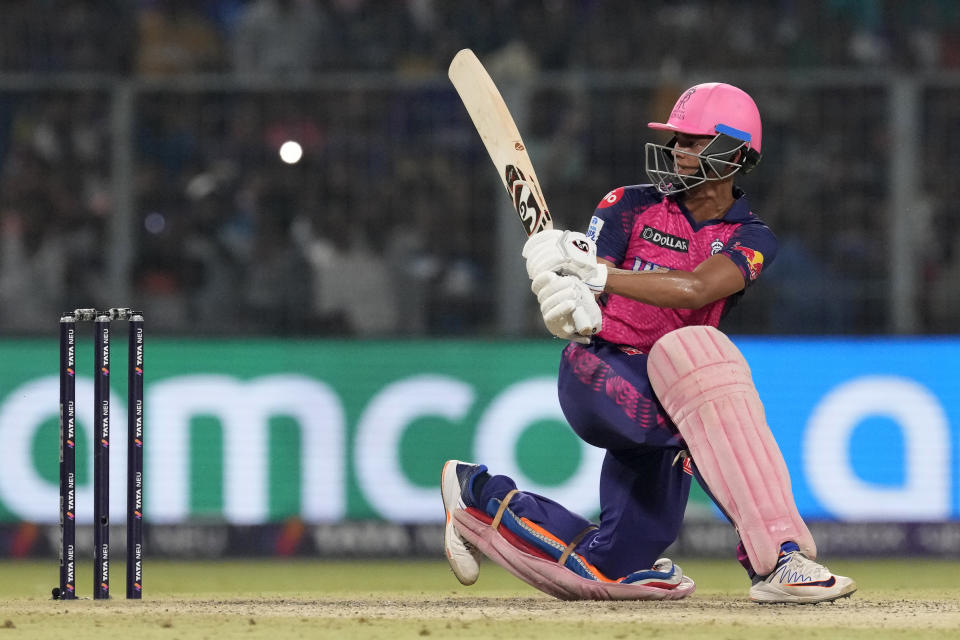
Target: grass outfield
(418, 599)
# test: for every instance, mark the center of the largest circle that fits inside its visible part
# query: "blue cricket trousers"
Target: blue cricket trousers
(606, 397)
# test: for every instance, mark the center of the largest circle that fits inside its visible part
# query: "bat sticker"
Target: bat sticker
(525, 202)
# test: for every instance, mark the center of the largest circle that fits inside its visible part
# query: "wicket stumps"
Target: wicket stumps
(101, 452)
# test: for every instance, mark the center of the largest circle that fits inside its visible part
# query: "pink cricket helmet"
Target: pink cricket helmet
(710, 109)
(714, 107)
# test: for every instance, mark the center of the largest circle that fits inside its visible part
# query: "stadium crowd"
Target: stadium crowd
(160, 37)
(384, 227)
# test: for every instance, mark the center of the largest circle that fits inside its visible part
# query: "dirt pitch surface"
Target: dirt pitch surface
(397, 600)
(849, 612)
(389, 617)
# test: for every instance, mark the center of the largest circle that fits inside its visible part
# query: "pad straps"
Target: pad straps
(495, 524)
(503, 507)
(573, 543)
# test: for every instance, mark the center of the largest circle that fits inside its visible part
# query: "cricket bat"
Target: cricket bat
(501, 138)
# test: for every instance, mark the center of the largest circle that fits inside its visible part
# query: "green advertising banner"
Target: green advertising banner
(254, 431)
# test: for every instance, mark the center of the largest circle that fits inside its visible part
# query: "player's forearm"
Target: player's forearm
(672, 289)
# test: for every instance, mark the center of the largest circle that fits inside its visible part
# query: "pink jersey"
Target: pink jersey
(638, 228)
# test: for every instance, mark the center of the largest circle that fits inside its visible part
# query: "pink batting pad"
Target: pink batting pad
(548, 576)
(704, 384)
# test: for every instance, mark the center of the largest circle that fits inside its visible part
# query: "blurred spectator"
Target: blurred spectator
(175, 38)
(54, 205)
(352, 284)
(393, 199)
(280, 38)
(50, 36)
(96, 36)
(33, 265)
(370, 35)
(276, 292)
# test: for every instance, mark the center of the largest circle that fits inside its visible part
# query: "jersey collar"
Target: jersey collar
(738, 212)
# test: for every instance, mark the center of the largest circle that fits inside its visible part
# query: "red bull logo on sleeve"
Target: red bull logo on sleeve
(754, 260)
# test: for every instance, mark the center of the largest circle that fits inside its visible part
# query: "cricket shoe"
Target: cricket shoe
(663, 575)
(799, 580)
(463, 557)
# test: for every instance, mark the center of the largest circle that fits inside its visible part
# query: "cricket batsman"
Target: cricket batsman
(650, 379)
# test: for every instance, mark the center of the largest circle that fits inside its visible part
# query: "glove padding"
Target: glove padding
(565, 253)
(570, 310)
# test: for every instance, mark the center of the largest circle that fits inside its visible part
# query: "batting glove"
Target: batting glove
(565, 253)
(569, 309)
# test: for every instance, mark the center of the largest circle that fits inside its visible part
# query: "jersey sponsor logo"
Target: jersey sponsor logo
(611, 198)
(639, 264)
(593, 231)
(664, 240)
(754, 260)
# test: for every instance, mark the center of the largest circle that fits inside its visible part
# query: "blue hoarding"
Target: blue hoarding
(868, 428)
